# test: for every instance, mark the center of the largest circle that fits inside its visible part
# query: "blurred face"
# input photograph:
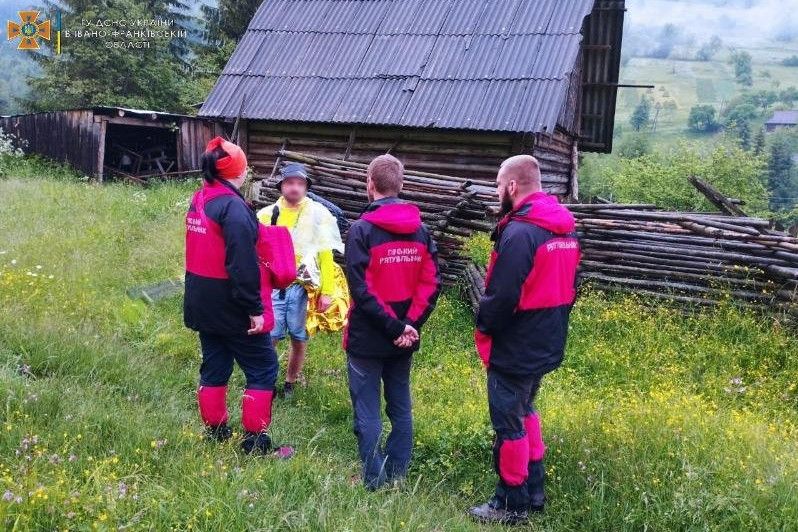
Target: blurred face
(506, 188)
(294, 189)
(238, 182)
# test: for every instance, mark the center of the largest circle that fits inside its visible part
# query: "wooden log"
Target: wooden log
(676, 274)
(682, 287)
(687, 251)
(715, 197)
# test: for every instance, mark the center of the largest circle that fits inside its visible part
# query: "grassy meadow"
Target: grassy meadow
(656, 421)
(688, 82)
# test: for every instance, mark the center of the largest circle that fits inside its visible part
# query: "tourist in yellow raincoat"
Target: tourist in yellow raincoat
(315, 235)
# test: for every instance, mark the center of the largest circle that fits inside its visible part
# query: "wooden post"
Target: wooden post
(573, 193)
(101, 149)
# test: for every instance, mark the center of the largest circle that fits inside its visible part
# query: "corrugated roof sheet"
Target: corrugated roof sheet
(500, 65)
(784, 117)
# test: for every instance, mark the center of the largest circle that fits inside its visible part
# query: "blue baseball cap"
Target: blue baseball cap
(293, 170)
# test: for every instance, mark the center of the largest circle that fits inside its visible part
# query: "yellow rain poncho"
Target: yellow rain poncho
(334, 318)
(315, 235)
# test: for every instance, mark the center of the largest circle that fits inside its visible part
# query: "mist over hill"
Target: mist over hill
(739, 23)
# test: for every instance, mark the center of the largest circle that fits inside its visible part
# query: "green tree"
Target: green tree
(743, 130)
(763, 98)
(228, 20)
(641, 116)
(759, 142)
(780, 174)
(702, 119)
(708, 50)
(154, 77)
(743, 72)
(739, 112)
(788, 96)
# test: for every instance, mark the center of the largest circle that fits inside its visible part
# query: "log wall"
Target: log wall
(469, 154)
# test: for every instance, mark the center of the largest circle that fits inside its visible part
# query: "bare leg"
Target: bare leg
(296, 359)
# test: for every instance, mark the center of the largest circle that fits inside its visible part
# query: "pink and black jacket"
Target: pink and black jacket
(530, 288)
(223, 274)
(392, 270)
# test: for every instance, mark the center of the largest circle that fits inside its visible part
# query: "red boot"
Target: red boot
(256, 416)
(212, 402)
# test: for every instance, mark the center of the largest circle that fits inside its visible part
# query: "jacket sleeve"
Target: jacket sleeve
(578, 275)
(428, 288)
(515, 257)
(357, 259)
(327, 272)
(240, 234)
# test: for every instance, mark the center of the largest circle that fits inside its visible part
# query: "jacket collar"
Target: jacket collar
(226, 184)
(376, 204)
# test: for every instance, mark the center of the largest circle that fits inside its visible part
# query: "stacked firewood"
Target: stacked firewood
(474, 284)
(695, 259)
(449, 205)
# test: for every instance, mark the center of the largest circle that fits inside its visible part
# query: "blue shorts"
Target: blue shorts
(290, 313)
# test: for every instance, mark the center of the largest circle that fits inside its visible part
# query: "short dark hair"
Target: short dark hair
(387, 174)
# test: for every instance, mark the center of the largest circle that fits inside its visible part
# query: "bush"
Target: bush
(9, 150)
(478, 248)
(634, 145)
(35, 166)
(661, 177)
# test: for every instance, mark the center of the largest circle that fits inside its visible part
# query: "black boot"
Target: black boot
(261, 444)
(219, 433)
(494, 512)
(288, 391)
(535, 484)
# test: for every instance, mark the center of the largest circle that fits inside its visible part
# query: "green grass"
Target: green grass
(99, 427)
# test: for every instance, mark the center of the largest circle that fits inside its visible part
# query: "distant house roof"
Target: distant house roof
(783, 118)
(495, 65)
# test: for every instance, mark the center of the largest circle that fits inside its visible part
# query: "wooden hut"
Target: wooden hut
(102, 140)
(449, 86)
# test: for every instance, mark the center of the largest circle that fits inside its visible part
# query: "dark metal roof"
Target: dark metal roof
(782, 118)
(500, 65)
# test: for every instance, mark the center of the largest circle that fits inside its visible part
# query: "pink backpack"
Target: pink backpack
(276, 253)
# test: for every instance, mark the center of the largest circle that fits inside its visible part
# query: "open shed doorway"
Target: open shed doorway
(139, 153)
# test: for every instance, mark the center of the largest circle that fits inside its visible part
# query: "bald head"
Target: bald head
(524, 170)
(518, 177)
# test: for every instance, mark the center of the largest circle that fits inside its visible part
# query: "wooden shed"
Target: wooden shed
(449, 86)
(97, 140)
(782, 120)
